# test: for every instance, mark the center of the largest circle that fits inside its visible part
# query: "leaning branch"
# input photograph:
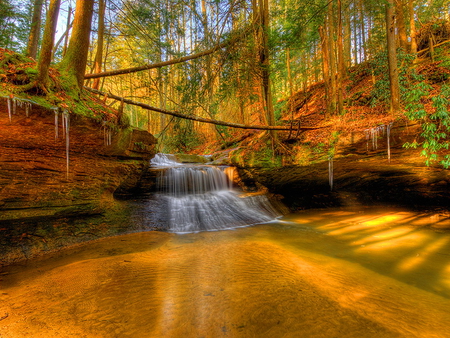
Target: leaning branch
(169, 62)
(193, 117)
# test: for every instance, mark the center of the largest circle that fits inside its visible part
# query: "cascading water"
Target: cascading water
(201, 198)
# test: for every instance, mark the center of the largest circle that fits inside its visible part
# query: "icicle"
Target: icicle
(66, 127)
(367, 132)
(9, 109)
(330, 172)
(27, 108)
(56, 123)
(388, 132)
(63, 124)
(14, 105)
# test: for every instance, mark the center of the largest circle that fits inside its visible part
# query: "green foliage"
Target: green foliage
(14, 24)
(183, 138)
(280, 108)
(435, 126)
(379, 64)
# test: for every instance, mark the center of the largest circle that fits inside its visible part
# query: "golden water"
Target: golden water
(332, 273)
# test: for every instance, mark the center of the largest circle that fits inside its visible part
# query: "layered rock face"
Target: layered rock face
(361, 172)
(41, 188)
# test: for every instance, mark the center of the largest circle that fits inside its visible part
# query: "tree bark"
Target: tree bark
(412, 27)
(332, 60)
(265, 64)
(325, 64)
(362, 47)
(100, 35)
(400, 23)
(392, 57)
(347, 40)
(74, 62)
(45, 56)
(197, 118)
(33, 38)
(341, 65)
(69, 24)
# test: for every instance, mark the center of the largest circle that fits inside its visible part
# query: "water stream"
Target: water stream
(330, 273)
(318, 273)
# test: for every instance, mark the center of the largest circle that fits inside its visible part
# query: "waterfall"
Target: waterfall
(202, 198)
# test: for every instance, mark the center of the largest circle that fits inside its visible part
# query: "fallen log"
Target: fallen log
(197, 118)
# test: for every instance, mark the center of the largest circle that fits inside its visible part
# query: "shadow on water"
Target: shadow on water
(411, 247)
(322, 273)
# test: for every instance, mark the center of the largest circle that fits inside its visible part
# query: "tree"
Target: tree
(74, 61)
(400, 24)
(101, 31)
(263, 6)
(412, 27)
(48, 41)
(341, 65)
(33, 39)
(392, 57)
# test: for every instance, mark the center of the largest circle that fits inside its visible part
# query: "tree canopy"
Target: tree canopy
(234, 61)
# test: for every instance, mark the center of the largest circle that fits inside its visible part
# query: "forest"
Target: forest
(199, 74)
(224, 168)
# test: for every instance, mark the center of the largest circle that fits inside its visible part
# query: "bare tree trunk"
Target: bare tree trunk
(400, 23)
(347, 40)
(392, 57)
(332, 59)
(363, 33)
(100, 35)
(74, 62)
(33, 38)
(68, 25)
(412, 27)
(289, 72)
(45, 56)
(265, 62)
(325, 64)
(355, 37)
(341, 65)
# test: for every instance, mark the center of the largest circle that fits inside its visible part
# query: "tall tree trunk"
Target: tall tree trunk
(74, 62)
(45, 56)
(325, 64)
(100, 35)
(362, 48)
(400, 23)
(392, 57)
(265, 63)
(68, 25)
(332, 59)
(341, 65)
(33, 38)
(289, 72)
(412, 27)
(347, 40)
(355, 37)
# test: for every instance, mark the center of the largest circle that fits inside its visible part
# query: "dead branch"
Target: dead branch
(170, 62)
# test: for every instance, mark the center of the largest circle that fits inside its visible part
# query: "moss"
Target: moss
(62, 91)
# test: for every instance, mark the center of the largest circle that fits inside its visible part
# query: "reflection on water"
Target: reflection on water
(329, 273)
